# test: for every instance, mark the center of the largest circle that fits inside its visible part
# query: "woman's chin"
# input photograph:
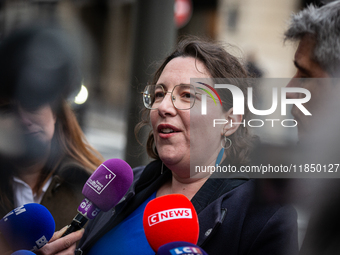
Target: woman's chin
(171, 162)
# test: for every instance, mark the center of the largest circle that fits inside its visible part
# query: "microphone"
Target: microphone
(23, 252)
(28, 227)
(168, 219)
(175, 248)
(103, 190)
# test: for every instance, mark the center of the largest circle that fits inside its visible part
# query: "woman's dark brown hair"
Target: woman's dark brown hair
(220, 64)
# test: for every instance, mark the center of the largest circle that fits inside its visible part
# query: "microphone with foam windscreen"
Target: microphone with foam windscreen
(175, 248)
(23, 252)
(27, 227)
(168, 219)
(103, 190)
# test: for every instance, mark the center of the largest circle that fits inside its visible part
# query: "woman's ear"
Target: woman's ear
(234, 121)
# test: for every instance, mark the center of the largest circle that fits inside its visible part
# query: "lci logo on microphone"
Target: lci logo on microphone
(172, 214)
(185, 250)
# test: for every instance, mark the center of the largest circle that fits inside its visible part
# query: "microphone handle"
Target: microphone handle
(77, 223)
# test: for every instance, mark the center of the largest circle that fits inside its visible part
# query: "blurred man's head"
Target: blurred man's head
(37, 65)
(319, 27)
(318, 56)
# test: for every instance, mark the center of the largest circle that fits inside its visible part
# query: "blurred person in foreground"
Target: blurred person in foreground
(37, 75)
(318, 56)
(56, 175)
(231, 219)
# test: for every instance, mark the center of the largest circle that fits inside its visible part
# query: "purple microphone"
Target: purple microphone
(103, 190)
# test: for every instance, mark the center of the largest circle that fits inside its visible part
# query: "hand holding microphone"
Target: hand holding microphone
(61, 245)
(170, 218)
(103, 190)
(31, 228)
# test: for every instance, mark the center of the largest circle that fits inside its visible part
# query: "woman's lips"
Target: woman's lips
(166, 130)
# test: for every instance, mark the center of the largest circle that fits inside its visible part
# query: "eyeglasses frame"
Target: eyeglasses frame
(172, 98)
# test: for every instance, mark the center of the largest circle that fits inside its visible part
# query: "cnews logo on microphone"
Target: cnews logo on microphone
(185, 250)
(172, 214)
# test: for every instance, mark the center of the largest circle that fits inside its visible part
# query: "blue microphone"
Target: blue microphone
(180, 247)
(23, 252)
(28, 227)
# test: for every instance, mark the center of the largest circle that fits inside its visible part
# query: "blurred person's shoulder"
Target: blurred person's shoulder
(71, 170)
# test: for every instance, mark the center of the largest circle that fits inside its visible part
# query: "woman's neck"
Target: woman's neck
(30, 173)
(186, 187)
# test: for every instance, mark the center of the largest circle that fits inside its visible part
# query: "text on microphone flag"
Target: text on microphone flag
(99, 182)
(185, 250)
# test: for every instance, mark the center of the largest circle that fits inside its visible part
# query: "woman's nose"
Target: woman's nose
(166, 107)
(24, 117)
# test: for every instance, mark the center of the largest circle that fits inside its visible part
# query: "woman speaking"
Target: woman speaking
(231, 220)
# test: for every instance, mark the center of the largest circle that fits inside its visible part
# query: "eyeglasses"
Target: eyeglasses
(182, 96)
